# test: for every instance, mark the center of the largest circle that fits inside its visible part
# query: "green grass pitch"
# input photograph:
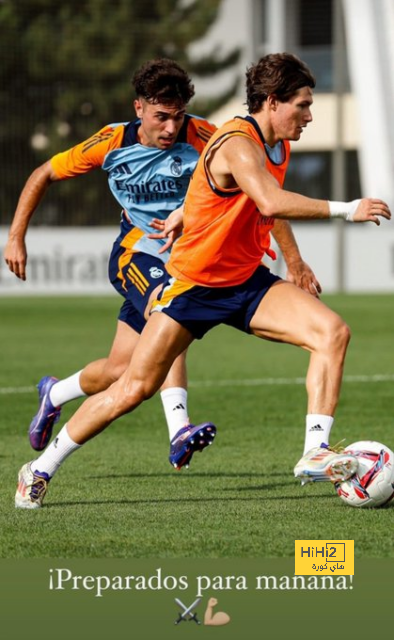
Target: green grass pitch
(119, 497)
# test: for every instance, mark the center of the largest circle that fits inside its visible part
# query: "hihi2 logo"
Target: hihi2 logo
(324, 557)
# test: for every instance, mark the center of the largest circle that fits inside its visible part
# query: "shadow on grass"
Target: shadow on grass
(266, 487)
(178, 501)
(183, 476)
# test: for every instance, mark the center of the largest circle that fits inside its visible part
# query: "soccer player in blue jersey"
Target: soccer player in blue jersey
(149, 162)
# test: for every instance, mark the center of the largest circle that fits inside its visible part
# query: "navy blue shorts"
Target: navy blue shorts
(199, 309)
(134, 275)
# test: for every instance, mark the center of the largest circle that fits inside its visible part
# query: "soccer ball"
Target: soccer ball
(373, 484)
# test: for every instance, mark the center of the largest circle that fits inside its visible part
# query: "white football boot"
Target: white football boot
(32, 487)
(325, 464)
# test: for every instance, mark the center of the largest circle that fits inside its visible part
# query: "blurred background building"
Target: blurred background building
(349, 45)
(65, 73)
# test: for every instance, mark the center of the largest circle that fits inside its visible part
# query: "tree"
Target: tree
(65, 70)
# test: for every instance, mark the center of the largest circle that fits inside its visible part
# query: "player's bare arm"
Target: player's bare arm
(298, 271)
(240, 161)
(15, 253)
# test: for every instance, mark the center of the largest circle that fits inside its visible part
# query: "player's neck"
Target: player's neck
(266, 128)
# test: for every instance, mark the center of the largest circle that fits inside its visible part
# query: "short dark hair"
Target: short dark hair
(163, 81)
(281, 74)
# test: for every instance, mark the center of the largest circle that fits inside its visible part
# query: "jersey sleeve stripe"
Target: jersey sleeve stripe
(204, 137)
(96, 140)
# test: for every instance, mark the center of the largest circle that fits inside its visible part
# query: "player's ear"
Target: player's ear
(272, 101)
(138, 108)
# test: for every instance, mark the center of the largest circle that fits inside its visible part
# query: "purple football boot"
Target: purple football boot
(188, 440)
(41, 426)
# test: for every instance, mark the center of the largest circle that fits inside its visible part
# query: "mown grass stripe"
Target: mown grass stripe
(248, 382)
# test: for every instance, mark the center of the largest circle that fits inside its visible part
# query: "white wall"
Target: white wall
(231, 30)
(371, 61)
(74, 261)
(62, 261)
(369, 255)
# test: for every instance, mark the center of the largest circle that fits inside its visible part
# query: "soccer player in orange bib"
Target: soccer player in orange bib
(216, 273)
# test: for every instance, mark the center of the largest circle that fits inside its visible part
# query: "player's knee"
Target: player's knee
(337, 334)
(341, 332)
(346, 333)
(134, 393)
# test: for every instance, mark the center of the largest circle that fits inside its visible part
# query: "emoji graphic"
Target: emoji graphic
(215, 619)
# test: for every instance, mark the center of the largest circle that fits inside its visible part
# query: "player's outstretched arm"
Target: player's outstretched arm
(15, 253)
(243, 161)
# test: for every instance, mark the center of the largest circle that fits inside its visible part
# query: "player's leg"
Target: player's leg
(95, 377)
(162, 341)
(173, 391)
(100, 374)
(288, 314)
(139, 291)
(185, 438)
(142, 276)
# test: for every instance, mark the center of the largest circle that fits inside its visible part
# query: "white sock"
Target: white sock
(55, 454)
(318, 429)
(175, 408)
(66, 390)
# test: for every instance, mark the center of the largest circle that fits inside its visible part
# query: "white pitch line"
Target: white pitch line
(12, 390)
(247, 382)
(258, 382)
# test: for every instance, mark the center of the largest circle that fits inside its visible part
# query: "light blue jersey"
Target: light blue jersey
(147, 182)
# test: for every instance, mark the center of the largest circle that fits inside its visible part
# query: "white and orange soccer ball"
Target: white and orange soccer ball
(373, 484)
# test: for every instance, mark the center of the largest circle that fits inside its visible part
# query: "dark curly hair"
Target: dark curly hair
(163, 81)
(281, 74)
